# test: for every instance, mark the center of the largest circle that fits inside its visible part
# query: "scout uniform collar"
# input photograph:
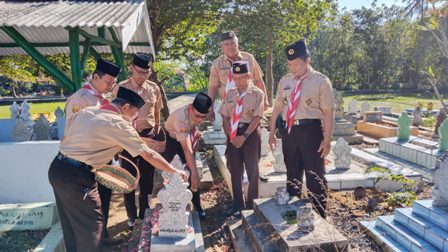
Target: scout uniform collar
(249, 89)
(239, 56)
(308, 74)
(90, 86)
(110, 107)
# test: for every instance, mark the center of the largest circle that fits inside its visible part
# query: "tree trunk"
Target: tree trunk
(269, 75)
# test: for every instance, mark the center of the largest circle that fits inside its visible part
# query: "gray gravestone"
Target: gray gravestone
(279, 165)
(265, 149)
(342, 152)
(352, 107)
(417, 117)
(59, 113)
(440, 189)
(21, 132)
(25, 114)
(41, 129)
(339, 105)
(365, 106)
(15, 110)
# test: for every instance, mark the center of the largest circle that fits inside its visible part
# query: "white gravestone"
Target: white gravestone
(174, 197)
(265, 149)
(25, 114)
(20, 132)
(352, 107)
(217, 125)
(365, 106)
(342, 152)
(279, 165)
(15, 110)
(281, 196)
(440, 189)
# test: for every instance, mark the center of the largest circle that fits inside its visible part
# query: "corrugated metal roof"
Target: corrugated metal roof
(46, 22)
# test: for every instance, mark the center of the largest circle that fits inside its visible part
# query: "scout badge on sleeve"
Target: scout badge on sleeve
(116, 178)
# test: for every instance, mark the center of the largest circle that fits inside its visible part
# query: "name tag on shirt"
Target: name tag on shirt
(286, 88)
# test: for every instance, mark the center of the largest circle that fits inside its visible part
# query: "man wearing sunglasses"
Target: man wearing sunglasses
(147, 125)
(183, 139)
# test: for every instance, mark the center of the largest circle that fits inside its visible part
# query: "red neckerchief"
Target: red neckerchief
(110, 107)
(103, 100)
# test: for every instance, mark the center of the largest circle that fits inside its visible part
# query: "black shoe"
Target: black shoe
(112, 241)
(201, 213)
(264, 178)
(233, 214)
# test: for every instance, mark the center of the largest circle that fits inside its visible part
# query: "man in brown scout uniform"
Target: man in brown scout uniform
(92, 94)
(220, 80)
(92, 140)
(147, 124)
(242, 111)
(305, 101)
(183, 139)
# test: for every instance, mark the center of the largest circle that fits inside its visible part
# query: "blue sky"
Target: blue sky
(354, 4)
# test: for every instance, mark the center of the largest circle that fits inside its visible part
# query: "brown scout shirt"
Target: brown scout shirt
(178, 124)
(96, 135)
(150, 92)
(316, 94)
(219, 71)
(252, 104)
(79, 100)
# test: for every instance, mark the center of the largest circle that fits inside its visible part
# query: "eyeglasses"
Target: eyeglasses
(142, 72)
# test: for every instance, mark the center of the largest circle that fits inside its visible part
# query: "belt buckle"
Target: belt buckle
(297, 122)
(240, 125)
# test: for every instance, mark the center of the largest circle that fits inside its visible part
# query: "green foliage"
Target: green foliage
(408, 184)
(18, 68)
(429, 121)
(400, 199)
(290, 217)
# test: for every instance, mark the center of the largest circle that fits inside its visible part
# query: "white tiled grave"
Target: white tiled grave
(338, 179)
(420, 228)
(413, 151)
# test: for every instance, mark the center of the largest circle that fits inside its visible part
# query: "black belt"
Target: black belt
(305, 121)
(73, 162)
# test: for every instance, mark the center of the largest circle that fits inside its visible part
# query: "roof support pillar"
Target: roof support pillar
(75, 58)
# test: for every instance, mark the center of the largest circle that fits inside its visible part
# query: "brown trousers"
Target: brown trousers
(80, 213)
(247, 157)
(300, 155)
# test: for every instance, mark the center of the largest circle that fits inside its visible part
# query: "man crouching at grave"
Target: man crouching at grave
(92, 140)
(242, 111)
(305, 100)
(183, 139)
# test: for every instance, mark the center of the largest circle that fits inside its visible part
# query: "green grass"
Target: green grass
(398, 103)
(34, 108)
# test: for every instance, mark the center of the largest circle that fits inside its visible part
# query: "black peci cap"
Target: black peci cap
(107, 67)
(132, 97)
(227, 35)
(202, 103)
(296, 50)
(240, 67)
(142, 60)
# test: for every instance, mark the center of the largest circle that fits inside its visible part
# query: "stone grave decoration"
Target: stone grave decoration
(265, 149)
(386, 110)
(373, 116)
(342, 152)
(21, 132)
(430, 106)
(41, 129)
(217, 125)
(174, 197)
(25, 114)
(305, 219)
(440, 189)
(439, 120)
(59, 113)
(15, 110)
(352, 107)
(365, 106)
(279, 165)
(443, 136)
(281, 196)
(360, 192)
(404, 127)
(339, 102)
(417, 116)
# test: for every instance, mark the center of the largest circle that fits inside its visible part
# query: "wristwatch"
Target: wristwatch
(245, 135)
